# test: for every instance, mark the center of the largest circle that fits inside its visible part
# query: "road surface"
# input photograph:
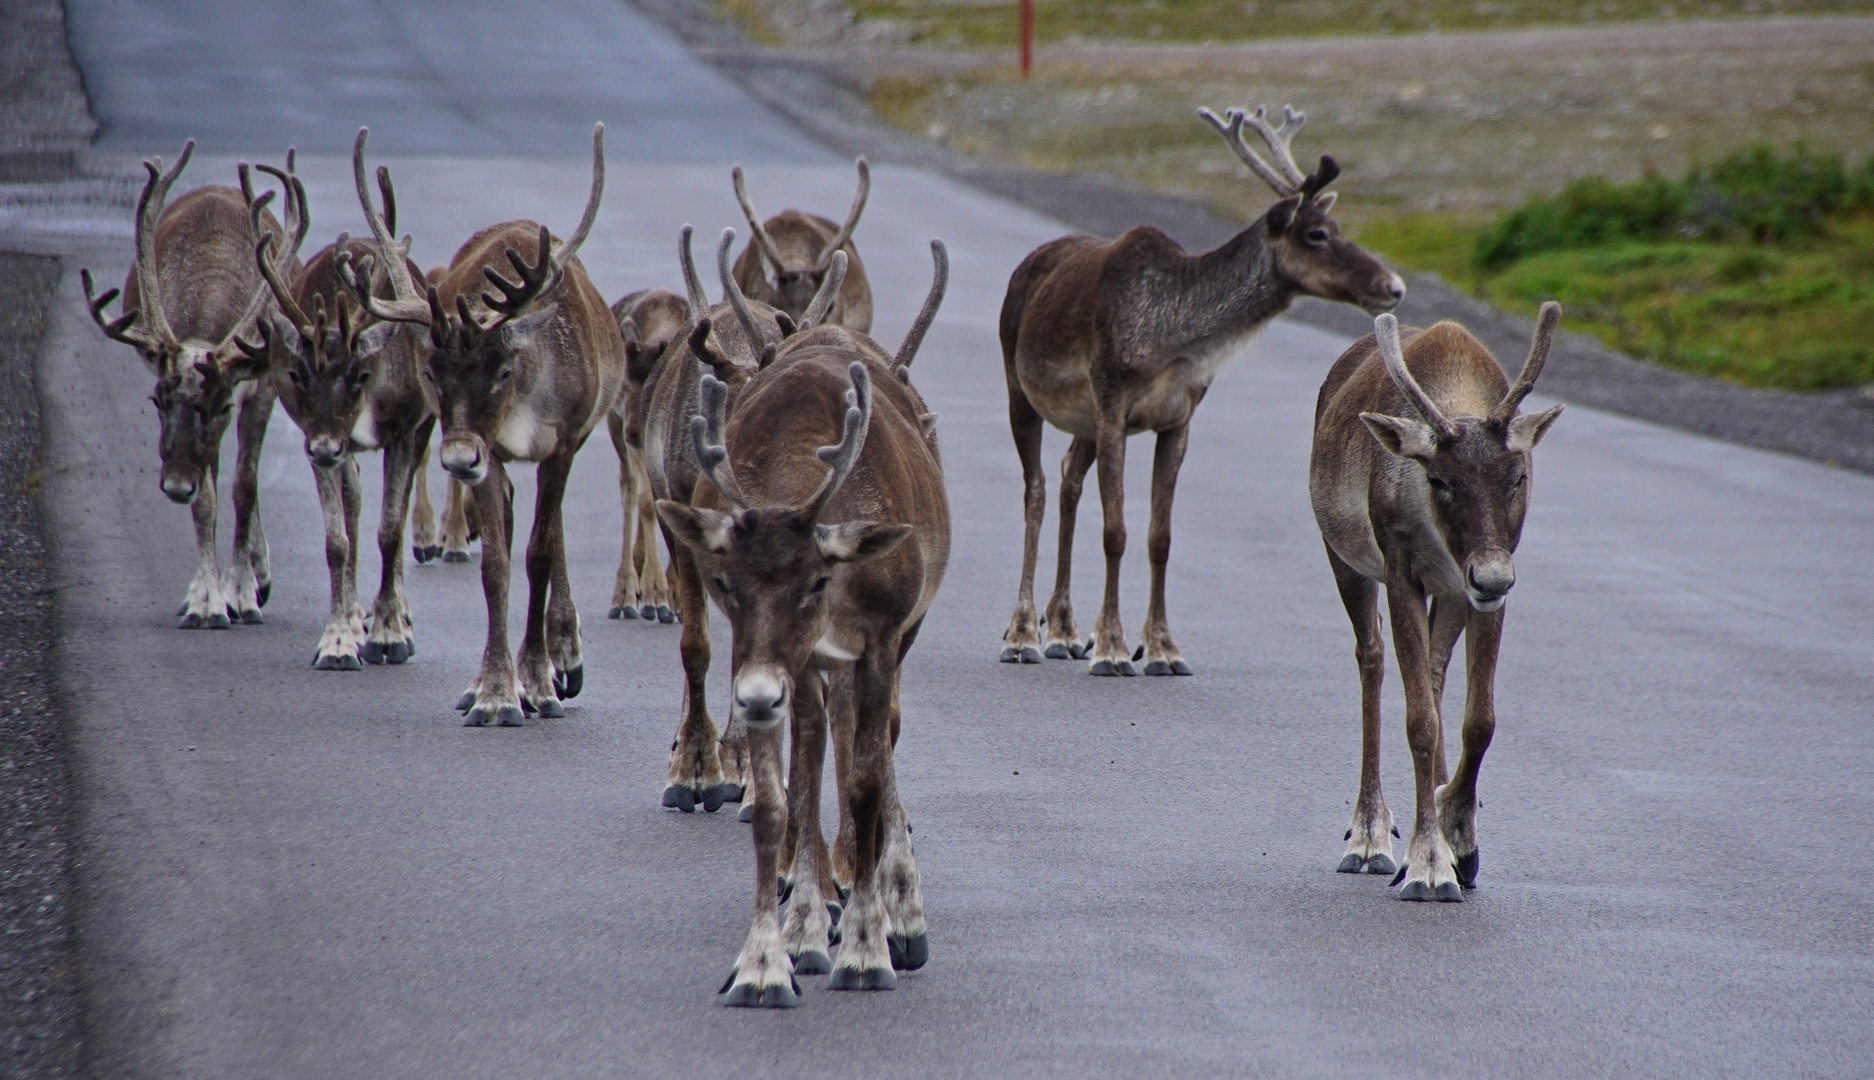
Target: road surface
(293, 873)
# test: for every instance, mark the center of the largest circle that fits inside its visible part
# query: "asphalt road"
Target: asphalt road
(292, 873)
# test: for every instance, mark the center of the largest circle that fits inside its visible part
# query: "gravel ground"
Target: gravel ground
(39, 977)
(824, 91)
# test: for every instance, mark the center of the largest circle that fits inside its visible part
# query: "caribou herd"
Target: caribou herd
(791, 468)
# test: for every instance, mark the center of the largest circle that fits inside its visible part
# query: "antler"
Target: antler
(841, 457)
(739, 302)
(406, 304)
(823, 300)
(156, 331)
(939, 282)
(1386, 334)
(263, 255)
(692, 281)
(706, 438)
(298, 222)
(571, 247)
(1284, 176)
(762, 241)
(535, 281)
(1546, 320)
(852, 217)
(120, 328)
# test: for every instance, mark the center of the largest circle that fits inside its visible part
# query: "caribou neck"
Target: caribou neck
(1236, 288)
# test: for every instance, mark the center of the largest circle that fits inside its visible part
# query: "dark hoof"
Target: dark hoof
(1466, 868)
(253, 618)
(1450, 893)
(1350, 864)
(419, 553)
(1416, 891)
(748, 813)
(863, 979)
(1138, 653)
(908, 953)
(714, 797)
(527, 707)
(217, 621)
(622, 613)
(426, 555)
(1109, 667)
(455, 556)
(1010, 655)
(569, 683)
(371, 653)
(732, 793)
(680, 797)
(399, 652)
(1179, 667)
(1158, 667)
(337, 663)
(509, 716)
(747, 996)
(665, 615)
(263, 594)
(1057, 651)
(550, 708)
(812, 962)
(465, 702)
(1079, 652)
(1380, 864)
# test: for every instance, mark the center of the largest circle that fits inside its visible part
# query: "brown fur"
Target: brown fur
(800, 242)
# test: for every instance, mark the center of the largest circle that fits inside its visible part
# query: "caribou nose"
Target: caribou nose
(1490, 579)
(463, 460)
(1394, 288)
(180, 491)
(760, 698)
(324, 451)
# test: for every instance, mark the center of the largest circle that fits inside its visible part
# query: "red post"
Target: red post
(1028, 36)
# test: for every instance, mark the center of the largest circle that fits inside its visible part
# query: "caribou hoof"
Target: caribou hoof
(665, 615)
(749, 996)
(622, 613)
(252, 618)
(1112, 667)
(680, 797)
(1160, 667)
(498, 716)
(908, 953)
(1057, 651)
(192, 621)
(1027, 654)
(1380, 864)
(465, 702)
(455, 556)
(263, 594)
(1350, 864)
(568, 683)
(1466, 869)
(852, 978)
(337, 662)
(427, 554)
(748, 813)
(811, 962)
(648, 612)
(714, 797)
(549, 708)
(395, 652)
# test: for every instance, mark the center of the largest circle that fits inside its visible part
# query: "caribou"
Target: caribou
(1420, 480)
(1105, 340)
(191, 293)
(650, 322)
(823, 535)
(352, 385)
(789, 256)
(521, 376)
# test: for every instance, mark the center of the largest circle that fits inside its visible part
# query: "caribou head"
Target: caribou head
(476, 350)
(1307, 245)
(769, 567)
(1476, 469)
(795, 251)
(195, 379)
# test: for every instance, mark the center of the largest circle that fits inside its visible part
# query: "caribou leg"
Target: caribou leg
(626, 590)
(763, 974)
(1064, 641)
(695, 773)
(655, 583)
(1457, 800)
(810, 912)
(1160, 652)
(493, 698)
(1021, 642)
(1447, 622)
(1429, 873)
(455, 523)
(546, 556)
(392, 641)
(424, 546)
(344, 626)
(206, 605)
(1109, 655)
(562, 614)
(865, 954)
(252, 571)
(1369, 834)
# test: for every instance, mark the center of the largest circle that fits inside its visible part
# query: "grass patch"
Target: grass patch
(1759, 270)
(967, 24)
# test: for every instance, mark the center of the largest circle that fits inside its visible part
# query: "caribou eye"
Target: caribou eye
(818, 587)
(1317, 236)
(1439, 486)
(722, 585)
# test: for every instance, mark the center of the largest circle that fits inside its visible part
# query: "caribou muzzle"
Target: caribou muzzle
(1488, 579)
(326, 451)
(180, 490)
(761, 696)
(464, 459)
(1387, 294)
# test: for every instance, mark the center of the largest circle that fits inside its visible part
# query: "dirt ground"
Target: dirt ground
(1466, 122)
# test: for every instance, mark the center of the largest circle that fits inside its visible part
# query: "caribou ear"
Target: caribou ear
(640, 361)
(1324, 202)
(517, 334)
(1282, 215)
(1401, 438)
(368, 343)
(251, 362)
(857, 541)
(695, 527)
(1526, 431)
